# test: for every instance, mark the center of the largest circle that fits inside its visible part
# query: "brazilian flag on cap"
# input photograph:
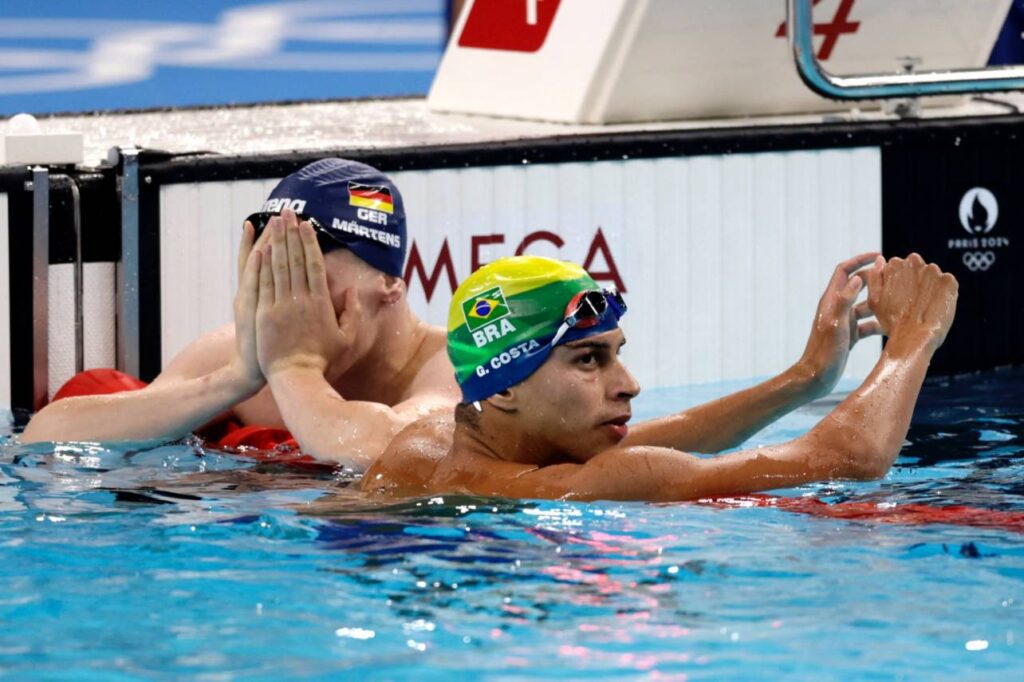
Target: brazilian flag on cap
(503, 317)
(485, 308)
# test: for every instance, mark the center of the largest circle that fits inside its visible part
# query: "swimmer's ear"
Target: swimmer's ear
(504, 400)
(394, 289)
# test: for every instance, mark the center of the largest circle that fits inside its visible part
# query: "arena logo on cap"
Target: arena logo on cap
(281, 203)
(373, 197)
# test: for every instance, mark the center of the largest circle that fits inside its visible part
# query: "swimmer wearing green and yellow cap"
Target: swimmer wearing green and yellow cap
(546, 397)
(502, 324)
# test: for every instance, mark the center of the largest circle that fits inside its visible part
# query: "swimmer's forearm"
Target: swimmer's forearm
(160, 412)
(727, 421)
(328, 427)
(867, 430)
(859, 440)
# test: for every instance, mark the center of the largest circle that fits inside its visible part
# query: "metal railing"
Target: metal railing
(800, 26)
(40, 188)
(128, 272)
(42, 184)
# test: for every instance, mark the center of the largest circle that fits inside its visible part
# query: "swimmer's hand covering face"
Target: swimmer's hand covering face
(504, 319)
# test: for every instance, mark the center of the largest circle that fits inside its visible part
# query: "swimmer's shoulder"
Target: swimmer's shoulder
(436, 376)
(409, 463)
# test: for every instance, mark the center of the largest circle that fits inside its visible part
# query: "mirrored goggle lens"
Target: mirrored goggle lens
(585, 309)
(261, 220)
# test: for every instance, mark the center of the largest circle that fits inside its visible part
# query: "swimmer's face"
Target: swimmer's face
(578, 402)
(345, 271)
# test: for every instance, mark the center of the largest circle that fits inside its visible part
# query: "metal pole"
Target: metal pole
(76, 207)
(800, 25)
(40, 286)
(128, 317)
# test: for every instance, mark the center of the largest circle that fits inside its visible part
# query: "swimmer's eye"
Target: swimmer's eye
(587, 359)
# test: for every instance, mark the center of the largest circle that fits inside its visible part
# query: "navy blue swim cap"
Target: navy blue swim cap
(358, 206)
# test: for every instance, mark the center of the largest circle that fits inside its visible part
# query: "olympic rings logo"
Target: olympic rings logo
(979, 260)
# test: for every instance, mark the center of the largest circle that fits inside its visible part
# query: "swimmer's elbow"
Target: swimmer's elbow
(52, 424)
(849, 453)
(866, 466)
(35, 432)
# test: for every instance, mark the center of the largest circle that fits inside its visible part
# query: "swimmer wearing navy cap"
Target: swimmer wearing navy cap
(324, 341)
(546, 405)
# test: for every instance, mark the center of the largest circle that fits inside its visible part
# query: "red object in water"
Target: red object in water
(262, 443)
(98, 382)
(905, 514)
(269, 445)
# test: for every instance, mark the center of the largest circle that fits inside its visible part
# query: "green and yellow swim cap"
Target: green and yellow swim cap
(504, 316)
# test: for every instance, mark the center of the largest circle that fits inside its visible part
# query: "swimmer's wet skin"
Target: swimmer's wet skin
(551, 421)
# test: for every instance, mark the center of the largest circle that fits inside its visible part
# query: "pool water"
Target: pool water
(175, 562)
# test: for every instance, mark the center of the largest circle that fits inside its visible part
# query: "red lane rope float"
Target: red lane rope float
(98, 382)
(911, 514)
(276, 446)
(268, 445)
(264, 444)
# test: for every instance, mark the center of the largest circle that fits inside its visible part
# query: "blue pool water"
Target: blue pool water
(175, 563)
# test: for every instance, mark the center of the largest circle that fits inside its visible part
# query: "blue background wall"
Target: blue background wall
(75, 55)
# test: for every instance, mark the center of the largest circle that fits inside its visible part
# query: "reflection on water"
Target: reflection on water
(181, 562)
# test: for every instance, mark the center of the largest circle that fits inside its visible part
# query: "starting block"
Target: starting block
(618, 61)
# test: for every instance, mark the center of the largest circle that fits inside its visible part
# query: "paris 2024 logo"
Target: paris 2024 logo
(979, 213)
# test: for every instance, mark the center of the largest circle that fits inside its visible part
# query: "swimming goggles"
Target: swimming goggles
(261, 220)
(586, 308)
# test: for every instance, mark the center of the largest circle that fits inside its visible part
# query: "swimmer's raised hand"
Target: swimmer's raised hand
(247, 362)
(839, 323)
(295, 320)
(915, 302)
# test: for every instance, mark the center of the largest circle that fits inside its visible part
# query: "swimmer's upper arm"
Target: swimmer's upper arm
(665, 475)
(204, 355)
(433, 393)
(434, 384)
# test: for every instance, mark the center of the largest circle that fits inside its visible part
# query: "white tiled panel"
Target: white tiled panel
(60, 325)
(99, 300)
(99, 340)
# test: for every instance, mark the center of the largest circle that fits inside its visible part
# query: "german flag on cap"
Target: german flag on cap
(377, 198)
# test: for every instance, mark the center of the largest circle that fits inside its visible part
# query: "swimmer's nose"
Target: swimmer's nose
(627, 387)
